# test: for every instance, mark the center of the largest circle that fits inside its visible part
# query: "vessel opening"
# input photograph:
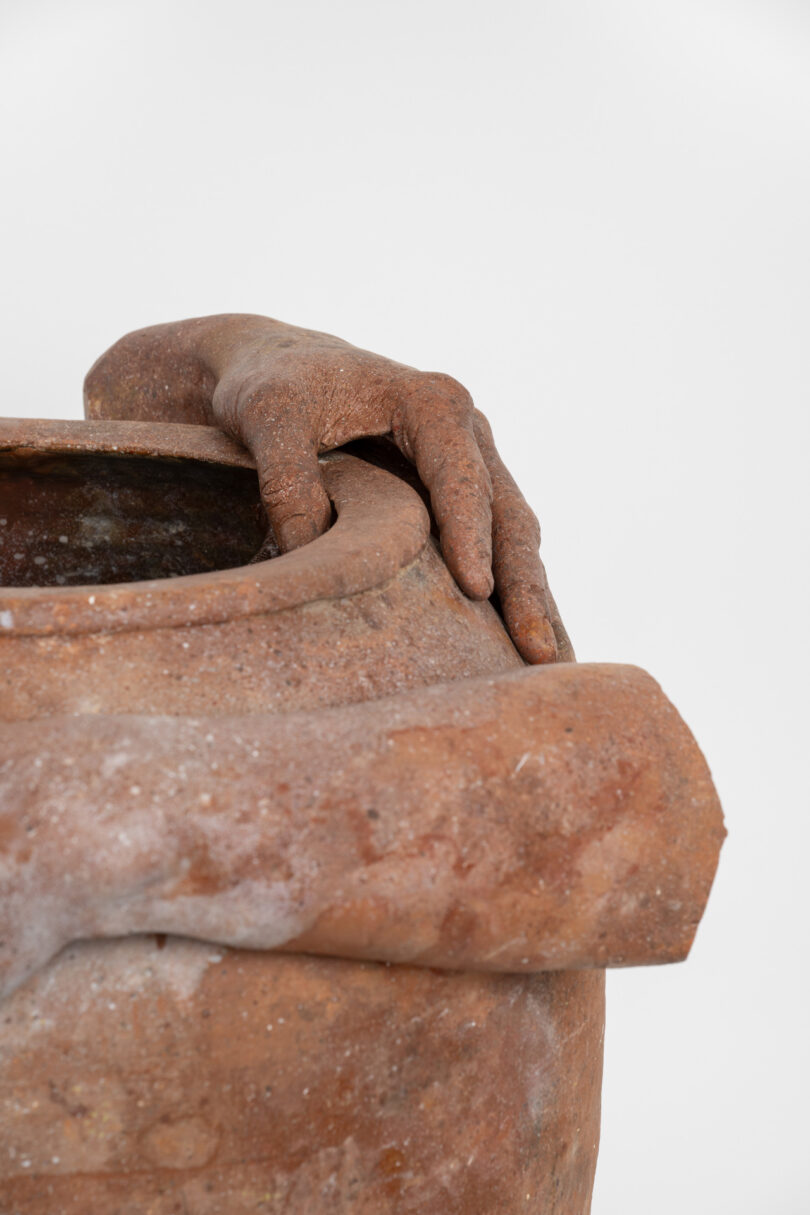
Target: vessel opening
(78, 519)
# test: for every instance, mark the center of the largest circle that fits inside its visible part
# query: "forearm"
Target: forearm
(488, 824)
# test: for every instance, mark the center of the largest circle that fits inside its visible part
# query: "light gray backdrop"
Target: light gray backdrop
(596, 216)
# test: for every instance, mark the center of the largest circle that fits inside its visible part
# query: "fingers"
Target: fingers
(489, 536)
(437, 434)
(292, 491)
(527, 604)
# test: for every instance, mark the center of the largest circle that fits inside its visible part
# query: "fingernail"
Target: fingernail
(538, 644)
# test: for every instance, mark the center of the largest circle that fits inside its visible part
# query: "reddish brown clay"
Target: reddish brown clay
(537, 820)
(329, 752)
(143, 1079)
(289, 394)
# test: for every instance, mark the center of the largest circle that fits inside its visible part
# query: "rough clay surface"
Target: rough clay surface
(175, 760)
(541, 819)
(289, 394)
(145, 1080)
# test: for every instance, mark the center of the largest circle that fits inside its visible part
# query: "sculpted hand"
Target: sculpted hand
(290, 394)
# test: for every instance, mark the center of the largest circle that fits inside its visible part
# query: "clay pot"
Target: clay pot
(155, 1073)
(367, 610)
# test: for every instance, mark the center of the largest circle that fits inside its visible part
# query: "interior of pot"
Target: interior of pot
(78, 519)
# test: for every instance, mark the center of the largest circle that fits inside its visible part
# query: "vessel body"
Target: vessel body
(163, 1074)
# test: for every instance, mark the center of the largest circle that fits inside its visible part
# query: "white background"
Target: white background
(596, 216)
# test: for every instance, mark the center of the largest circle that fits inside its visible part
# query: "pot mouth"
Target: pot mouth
(117, 526)
(82, 519)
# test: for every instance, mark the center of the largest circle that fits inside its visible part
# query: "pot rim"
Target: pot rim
(382, 526)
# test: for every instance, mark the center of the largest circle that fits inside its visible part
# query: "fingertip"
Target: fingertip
(467, 550)
(477, 586)
(535, 640)
(297, 531)
(297, 505)
(473, 575)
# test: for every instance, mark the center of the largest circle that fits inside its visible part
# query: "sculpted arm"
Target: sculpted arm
(538, 820)
(289, 394)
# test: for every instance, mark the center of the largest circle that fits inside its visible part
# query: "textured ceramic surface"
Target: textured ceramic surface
(331, 752)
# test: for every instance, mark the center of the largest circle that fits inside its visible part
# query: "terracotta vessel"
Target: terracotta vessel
(451, 847)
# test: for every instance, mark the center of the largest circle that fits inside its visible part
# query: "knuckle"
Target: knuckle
(447, 383)
(251, 401)
(257, 397)
(453, 397)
